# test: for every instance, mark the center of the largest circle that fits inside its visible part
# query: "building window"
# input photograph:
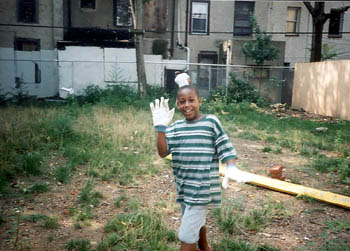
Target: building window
(293, 20)
(88, 4)
(122, 13)
(336, 23)
(242, 24)
(200, 17)
(27, 11)
(25, 44)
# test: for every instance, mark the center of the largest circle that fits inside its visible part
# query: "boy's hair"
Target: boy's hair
(191, 87)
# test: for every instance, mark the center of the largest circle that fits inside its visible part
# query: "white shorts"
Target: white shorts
(193, 219)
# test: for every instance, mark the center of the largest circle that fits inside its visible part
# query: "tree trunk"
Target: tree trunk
(318, 21)
(316, 46)
(139, 34)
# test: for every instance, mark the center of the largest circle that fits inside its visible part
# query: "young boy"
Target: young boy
(196, 143)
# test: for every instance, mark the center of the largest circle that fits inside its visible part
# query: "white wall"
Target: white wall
(83, 66)
(21, 65)
(77, 67)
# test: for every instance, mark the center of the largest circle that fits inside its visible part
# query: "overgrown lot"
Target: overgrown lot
(84, 175)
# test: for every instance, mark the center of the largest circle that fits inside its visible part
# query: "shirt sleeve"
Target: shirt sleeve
(223, 145)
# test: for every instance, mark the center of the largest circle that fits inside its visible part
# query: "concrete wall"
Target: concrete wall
(20, 65)
(323, 88)
(83, 66)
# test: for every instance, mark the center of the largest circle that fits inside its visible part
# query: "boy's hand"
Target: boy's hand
(161, 114)
(233, 173)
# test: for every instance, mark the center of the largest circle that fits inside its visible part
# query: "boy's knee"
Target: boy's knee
(192, 221)
(188, 237)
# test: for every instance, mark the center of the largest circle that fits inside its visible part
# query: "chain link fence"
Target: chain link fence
(45, 78)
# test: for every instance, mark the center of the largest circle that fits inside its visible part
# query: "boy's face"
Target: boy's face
(188, 103)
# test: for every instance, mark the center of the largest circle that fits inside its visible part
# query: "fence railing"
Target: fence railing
(44, 78)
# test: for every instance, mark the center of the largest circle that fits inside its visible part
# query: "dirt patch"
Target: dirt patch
(302, 223)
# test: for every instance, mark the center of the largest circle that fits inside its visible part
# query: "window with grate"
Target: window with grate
(27, 11)
(242, 24)
(122, 13)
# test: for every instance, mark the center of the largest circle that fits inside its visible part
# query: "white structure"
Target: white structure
(80, 67)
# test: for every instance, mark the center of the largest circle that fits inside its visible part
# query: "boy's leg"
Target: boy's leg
(203, 242)
(192, 222)
(188, 247)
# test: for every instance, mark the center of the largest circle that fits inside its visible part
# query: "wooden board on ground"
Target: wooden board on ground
(294, 189)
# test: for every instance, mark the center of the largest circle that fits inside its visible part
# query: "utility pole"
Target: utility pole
(138, 37)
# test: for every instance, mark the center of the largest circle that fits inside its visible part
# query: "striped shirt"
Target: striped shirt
(196, 148)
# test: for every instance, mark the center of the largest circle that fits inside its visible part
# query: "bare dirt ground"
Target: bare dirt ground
(301, 225)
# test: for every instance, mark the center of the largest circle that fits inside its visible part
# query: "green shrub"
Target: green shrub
(238, 91)
(160, 47)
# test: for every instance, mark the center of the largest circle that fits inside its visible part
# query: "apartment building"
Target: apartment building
(206, 24)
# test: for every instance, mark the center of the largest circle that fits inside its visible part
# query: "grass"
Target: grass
(78, 245)
(138, 231)
(47, 221)
(338, 225)
(110, 135)
(235, 244)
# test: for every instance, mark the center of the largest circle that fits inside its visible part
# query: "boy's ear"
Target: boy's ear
(176, 104)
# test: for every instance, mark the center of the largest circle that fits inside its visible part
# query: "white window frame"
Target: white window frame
(203, 14)
(295, 22)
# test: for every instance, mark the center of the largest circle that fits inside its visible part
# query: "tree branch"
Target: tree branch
(309, 7)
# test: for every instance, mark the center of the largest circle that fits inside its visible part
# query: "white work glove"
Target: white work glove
(233, 173)
(161, 114)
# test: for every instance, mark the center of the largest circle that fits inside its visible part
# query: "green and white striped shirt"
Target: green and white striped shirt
(196, 148)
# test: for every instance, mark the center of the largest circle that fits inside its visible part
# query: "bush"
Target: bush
(238, 91)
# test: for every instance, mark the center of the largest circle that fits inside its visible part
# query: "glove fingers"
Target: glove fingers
(161, 103)
(171, 114)
(152, 107)
(166, 105)
(156, 104)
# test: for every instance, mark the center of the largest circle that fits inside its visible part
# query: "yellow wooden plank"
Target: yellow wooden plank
(294, 189)
(290, 188)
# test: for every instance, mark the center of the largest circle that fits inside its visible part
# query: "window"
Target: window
(88, 4)
(200, 18)
(336, 23)
(122, 13)
(243, 11)
(27, 11)
(25, 44)
(293, 21)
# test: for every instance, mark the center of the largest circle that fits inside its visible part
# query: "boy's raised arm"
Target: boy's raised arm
(161, 116)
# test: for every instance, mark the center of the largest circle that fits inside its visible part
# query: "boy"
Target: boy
(196, 143)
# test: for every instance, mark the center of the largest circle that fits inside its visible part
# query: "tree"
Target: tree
(261, 49)
(138, 31)
(319, 17)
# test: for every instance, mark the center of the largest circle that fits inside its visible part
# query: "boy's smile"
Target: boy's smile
(188, 103)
